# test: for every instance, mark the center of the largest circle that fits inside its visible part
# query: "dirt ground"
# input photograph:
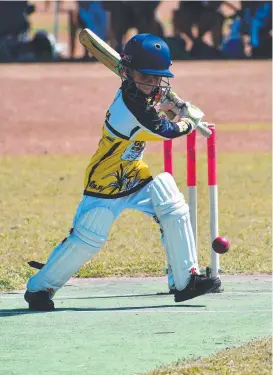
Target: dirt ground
(60, 108)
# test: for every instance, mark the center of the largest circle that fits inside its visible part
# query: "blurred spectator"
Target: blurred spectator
(257, 26)
(14, 18)
(233, 44)
(15, 44)
(125, 15)
(42, 47)
(91, 15)
(204, 15)
(251, 31)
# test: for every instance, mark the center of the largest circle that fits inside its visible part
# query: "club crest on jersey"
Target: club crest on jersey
(134, 151)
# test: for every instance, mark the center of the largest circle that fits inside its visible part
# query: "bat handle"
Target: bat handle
(204, 130)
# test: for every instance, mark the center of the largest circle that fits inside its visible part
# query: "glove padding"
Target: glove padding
(176, 110)
(194, 113)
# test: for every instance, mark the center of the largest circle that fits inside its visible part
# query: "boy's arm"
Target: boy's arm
(158, 124)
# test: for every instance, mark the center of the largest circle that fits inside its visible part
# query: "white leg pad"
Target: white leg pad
(89, 234)
(173, 214)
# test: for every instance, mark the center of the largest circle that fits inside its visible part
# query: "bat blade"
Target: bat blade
(100, 50)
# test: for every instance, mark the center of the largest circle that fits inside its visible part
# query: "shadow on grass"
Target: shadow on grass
(12, 312)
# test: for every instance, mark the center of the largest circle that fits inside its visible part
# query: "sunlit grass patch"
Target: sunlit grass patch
(254, 358)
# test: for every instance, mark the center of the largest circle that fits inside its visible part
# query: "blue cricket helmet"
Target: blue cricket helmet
(148, 54)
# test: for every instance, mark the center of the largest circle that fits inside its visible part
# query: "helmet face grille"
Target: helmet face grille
(131, 88)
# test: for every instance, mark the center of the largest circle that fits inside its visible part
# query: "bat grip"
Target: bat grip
(202, 129)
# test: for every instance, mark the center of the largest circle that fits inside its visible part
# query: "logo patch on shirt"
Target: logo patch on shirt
(134, 151)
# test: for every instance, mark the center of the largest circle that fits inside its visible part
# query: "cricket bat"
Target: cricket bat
(111, 59)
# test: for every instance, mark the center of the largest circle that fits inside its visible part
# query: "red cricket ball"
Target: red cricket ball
(220, 245)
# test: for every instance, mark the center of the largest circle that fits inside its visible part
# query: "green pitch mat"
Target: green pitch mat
(128, 326)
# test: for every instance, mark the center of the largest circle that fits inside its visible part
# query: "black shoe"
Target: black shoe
(39, 301)
(198, 285)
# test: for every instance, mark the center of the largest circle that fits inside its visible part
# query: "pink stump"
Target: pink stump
(191, 182)
(168, 156)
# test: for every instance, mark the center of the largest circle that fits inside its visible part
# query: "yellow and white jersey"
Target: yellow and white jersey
(117, 168)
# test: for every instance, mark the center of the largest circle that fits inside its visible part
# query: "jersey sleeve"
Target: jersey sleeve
(153, 126)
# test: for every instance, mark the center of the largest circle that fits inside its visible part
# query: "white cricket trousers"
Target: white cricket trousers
(139, 201)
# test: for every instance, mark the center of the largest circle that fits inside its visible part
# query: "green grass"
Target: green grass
(254, 358)
(39, 195)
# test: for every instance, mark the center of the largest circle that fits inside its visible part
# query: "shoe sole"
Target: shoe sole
(41, 308)
(214, 288)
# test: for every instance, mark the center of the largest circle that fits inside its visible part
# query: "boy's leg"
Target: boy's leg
(173, 214)
(91, 228)
(163, 199)
(171, 284)
(141, 201)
